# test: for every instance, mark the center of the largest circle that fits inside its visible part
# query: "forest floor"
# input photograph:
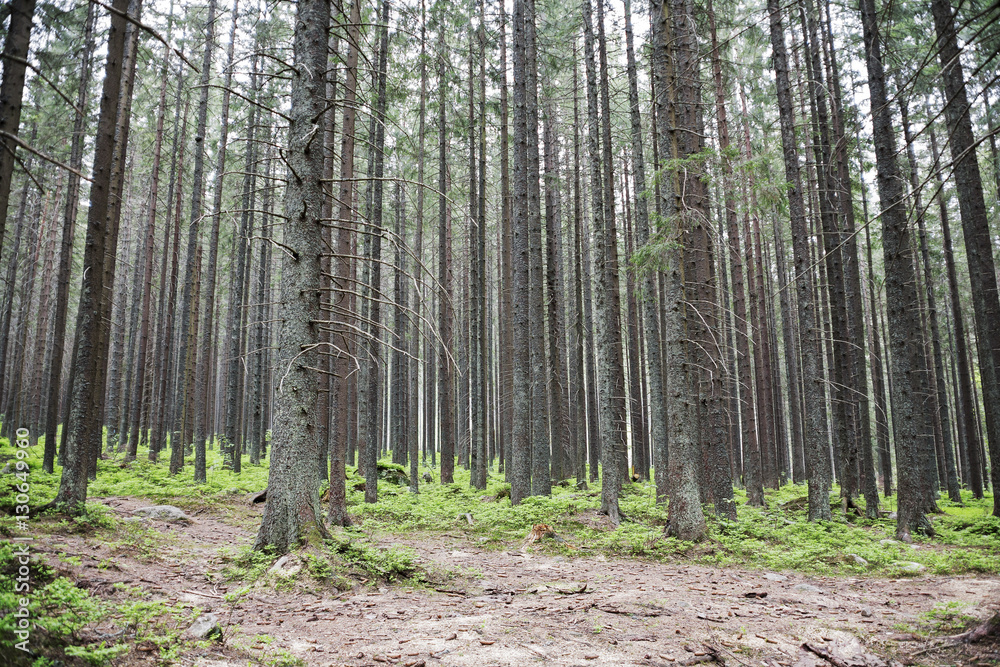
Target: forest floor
(477, 603)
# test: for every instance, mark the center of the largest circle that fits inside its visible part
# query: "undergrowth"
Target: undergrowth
(777, 536)
(67, 621)
(141, 477)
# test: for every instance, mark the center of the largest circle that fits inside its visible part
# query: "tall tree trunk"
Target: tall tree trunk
(963, 389)
(202, 396)
(815, 442)
(561, 450)
(370, 451)
(189, 308)
(292, 513)
(940, 390)
(975, 225)
(147, 283)
(747, 418)
(520, 470)
(52, 417)
(614, 446)
(650, 318)
(446, 402)
(541, 479)
(89, 354)
(15, 62)
(909, 382)
(343, 280)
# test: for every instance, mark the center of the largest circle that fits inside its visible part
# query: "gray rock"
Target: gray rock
(164, 513)
(858, 560)
(909, 567)
(866, 612)
(774, 576)
(808, 588)
(6, 469)
(205, 626)
(287, 566)
(888, 543)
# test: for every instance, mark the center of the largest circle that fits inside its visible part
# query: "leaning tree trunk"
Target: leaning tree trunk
(88, 354)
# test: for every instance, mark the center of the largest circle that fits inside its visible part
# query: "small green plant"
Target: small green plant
(250, 565)
(948, 618)
(392, 564)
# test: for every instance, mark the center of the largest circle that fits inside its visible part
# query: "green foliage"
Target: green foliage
(63, 614)
(778, 536)
(249, 566)
(948, 618)
(391, 564)
(141, 478)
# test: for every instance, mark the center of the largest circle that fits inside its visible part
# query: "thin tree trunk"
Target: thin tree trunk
(817, 460)
(964, 387)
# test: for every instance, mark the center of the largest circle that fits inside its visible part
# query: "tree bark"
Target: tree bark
(814, 432)
(909, 382)
(975, 225)
(15, 61)
(292, 513)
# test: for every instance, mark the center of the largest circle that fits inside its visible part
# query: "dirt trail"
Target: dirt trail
(525, 607)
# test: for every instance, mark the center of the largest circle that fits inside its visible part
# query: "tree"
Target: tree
(978, 247)
(909, 381)
(817, 460)
(292, 514)
(15, 61)
(83, 428)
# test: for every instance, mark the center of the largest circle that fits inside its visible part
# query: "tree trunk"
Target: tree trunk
(909, 382)
(88, 353)
(963, 389)
(814, 432)
(975, 225)
(15, 61)
(519, 472)
(292, 513)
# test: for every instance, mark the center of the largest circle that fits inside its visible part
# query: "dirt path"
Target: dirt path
(525, 607)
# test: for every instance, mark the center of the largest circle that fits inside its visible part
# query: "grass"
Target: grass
(778, 536)
(141, 477)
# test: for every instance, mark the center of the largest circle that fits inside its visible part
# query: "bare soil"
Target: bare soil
(524, 606)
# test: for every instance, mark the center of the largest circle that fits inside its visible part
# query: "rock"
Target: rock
(888, 542)
(581, 485)
(205, 627)
(858, 560)
(866, 612)
(6, 469)
(393, 473)
(287, 566)
(428, 477)
(909, 567)
(774, 576)
(163, 513)
(808, 588)
(893, 516)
